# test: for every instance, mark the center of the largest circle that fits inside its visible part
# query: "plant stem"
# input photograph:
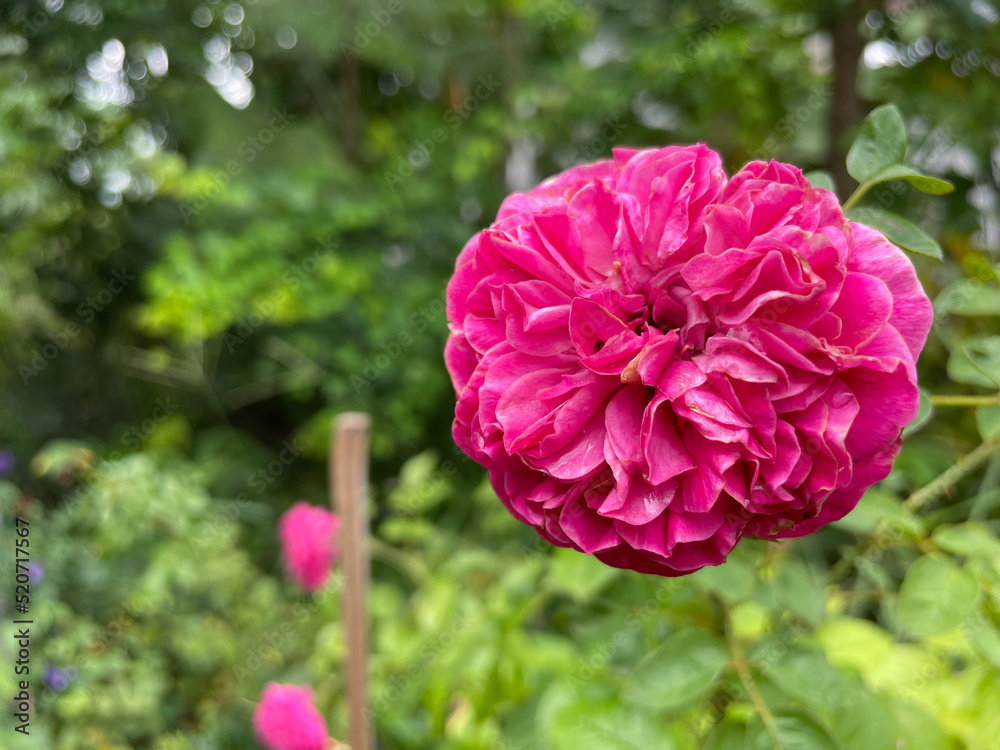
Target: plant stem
(952, 475)
(856, 196)
(740, 662)
(950, 399)
(412, 566)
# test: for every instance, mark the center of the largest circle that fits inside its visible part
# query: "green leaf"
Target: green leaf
(807, 677)
(800, 590)
(881, 143)
(570, 722)
(796, 730)
(866, 721)
(922, 182)
(728, 735)
(924, 414)
(423, 483)
(936, 595)
(983, 635)
(679, 672)
(988, 421)
(878, 506)
(819, 178)
(976, 361)
(734, 580)
(917, 729)
(967, 539)
(969, 297)
(898, 230)
(852, 642)
(580, 576)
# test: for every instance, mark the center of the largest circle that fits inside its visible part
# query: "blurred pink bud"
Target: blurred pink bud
(309, 548)
(286, 719)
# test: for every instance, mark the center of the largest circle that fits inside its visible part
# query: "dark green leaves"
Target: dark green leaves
(678, 672)
(877, 154)
(900, 231)
(876, 157)
(796, 730)
(922, 182)
(880, 144)
(594, 719)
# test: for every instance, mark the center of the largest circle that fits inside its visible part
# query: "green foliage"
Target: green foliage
(191, 289)
(880, 145)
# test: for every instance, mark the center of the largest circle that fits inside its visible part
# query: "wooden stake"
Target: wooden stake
(349, 490)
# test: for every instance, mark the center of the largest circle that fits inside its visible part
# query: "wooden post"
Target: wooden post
(349, 488)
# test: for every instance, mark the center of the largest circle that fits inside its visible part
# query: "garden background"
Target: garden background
(223, 224)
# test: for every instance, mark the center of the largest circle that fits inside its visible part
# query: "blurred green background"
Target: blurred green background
(222, 224)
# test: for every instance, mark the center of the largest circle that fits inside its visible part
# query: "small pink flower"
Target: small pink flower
(653, 359)
(308, 536)
(286, 719)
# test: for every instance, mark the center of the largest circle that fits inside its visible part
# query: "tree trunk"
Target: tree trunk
(847, 111)
(349, 89)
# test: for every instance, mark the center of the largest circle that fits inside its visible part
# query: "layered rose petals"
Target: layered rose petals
(653, 361)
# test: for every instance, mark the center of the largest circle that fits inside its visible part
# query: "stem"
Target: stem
(413, 567)
(740, 662)
(856, 196)
(952, 475)
(951, 399)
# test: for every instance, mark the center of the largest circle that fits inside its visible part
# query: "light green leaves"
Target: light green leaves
(969, 297)
(967, 540)
(821, 179)
(595, 720)
(936, 595)
(855, 643)
(680, 671)
(976, 361)
(988, 421)
(580, 576)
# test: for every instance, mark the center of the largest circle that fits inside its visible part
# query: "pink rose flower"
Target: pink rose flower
(653, 360)
(308, 536)
(286, 719)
